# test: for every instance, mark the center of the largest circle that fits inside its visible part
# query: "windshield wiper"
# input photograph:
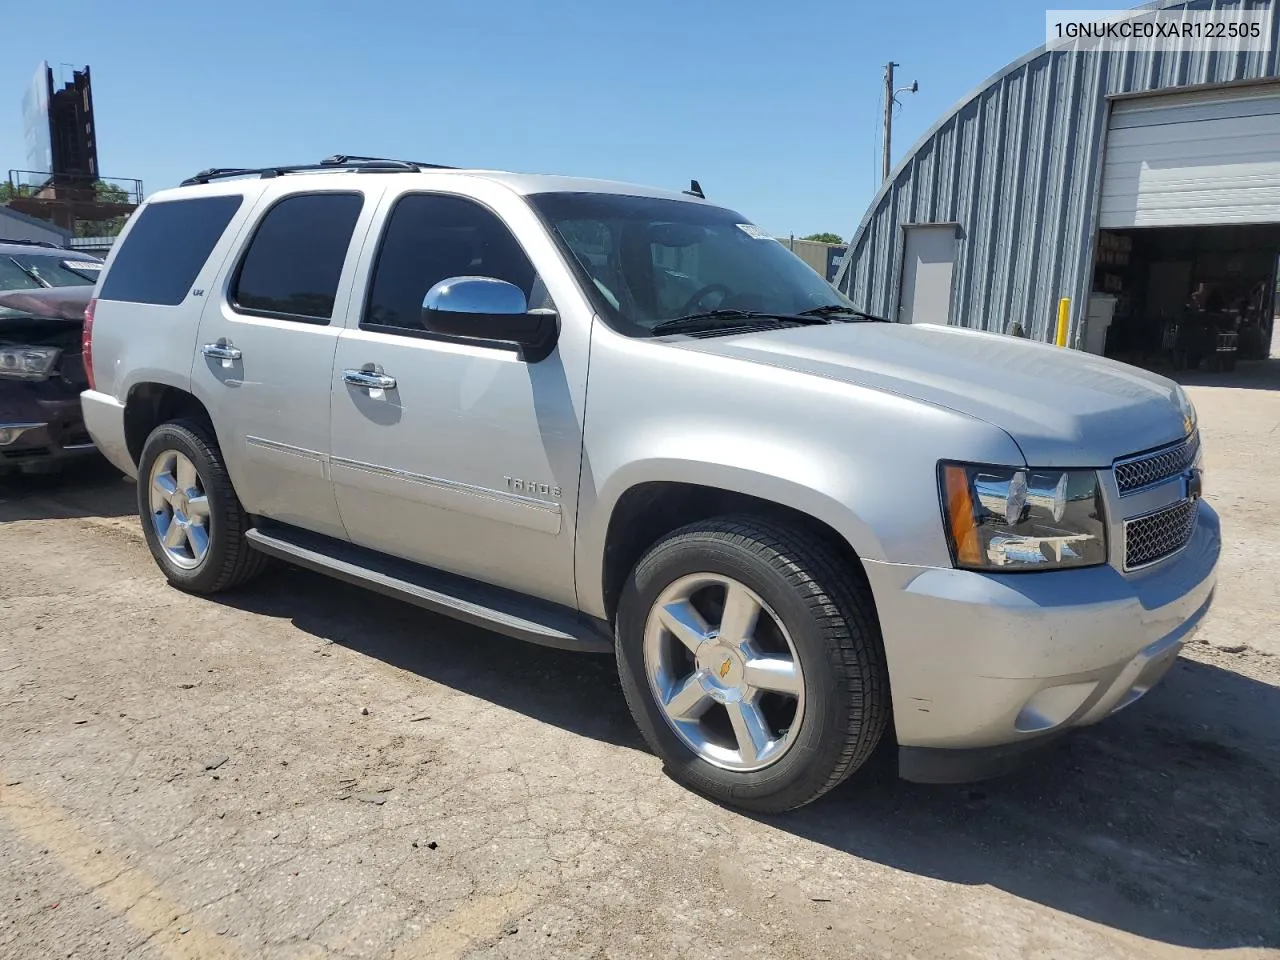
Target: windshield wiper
(31, 272)
(712, 320)
(836, 310)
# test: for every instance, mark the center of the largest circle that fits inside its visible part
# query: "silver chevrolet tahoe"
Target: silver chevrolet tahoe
(610, 418)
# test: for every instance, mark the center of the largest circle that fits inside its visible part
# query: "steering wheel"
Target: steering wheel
(696, 300)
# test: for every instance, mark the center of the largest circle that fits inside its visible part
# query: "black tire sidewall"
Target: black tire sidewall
(807, 767)
(182, 438)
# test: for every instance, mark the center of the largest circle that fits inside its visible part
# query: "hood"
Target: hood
(55, 303)
(1063, 407)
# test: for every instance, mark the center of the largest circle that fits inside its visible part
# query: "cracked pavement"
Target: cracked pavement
(495, 800)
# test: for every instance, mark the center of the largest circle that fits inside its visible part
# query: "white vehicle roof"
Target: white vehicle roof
(521, 183)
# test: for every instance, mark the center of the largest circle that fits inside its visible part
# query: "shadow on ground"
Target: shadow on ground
(1247, 375)
(575, 691)
(1163, 821)
(85, 488)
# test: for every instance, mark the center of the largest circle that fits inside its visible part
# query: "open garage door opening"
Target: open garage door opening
(1184, 297)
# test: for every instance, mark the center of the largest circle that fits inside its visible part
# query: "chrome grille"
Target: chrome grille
(1135, 473)
(1158, 535)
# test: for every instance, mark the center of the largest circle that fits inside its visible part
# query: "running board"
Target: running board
(482, 605)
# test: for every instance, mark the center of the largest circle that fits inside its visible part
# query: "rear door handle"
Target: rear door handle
(367, 380)
(221, 351)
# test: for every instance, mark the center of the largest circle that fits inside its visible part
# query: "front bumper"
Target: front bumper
(40, 427)
(997, 663)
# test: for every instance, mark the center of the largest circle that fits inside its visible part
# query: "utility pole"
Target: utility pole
(888, 119)
(890, 100)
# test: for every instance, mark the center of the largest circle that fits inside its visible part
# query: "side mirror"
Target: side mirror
(485, 309)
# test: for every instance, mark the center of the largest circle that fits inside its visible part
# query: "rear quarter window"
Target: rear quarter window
(163, 252)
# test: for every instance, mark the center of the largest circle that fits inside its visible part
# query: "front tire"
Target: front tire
(191, 517)
(751, 659)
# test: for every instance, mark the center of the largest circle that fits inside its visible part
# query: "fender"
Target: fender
(595, 513)
(861, 460)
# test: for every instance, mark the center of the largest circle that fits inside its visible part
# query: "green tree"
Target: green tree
(111, 226)
(9, 192)
(104, 192)
(110, 193)
(824, 237)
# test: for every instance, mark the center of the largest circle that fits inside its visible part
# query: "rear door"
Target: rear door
(265, 351)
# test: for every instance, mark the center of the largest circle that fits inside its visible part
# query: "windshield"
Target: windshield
(27, 272)
(651, 260)
(70, 270)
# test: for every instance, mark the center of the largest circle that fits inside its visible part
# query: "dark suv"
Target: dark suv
(43, 294)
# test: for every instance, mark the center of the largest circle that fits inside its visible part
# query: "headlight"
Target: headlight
(27, 363)
(1009, 519)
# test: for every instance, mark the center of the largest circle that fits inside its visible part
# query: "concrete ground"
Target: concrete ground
(304, 770)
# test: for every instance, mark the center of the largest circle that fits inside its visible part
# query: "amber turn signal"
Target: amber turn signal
(961, 516)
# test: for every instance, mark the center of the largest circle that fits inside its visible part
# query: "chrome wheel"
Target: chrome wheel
(179, 509)
(724, 672)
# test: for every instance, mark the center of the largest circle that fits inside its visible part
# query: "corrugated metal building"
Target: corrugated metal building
(995, 214)
(19, 226)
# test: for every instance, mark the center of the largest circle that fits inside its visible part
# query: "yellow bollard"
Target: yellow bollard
(1064, 310)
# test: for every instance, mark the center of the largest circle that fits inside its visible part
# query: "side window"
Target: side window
(295, 258)
(165, 249)
(431, 237)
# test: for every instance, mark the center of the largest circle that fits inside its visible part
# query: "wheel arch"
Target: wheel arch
(149, 404)
(647, 510)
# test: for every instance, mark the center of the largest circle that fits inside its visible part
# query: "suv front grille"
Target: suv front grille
(1159, 535)
(1136, 473)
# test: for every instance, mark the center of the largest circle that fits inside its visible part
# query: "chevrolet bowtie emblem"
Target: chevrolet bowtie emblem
(724, 667)
(1194, 484)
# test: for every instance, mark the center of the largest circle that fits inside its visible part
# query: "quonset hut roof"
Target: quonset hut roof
(1016, 165)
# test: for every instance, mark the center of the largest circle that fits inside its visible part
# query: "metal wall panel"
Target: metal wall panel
(1017, 164)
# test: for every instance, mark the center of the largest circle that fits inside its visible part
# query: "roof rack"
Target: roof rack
(339, 161)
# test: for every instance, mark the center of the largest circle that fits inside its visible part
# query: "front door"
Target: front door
(467, 458)
(264, 356)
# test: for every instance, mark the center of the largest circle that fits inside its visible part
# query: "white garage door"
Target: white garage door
(1193, 159)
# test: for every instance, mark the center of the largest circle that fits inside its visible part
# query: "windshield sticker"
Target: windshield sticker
(81, 265)
(752, 231)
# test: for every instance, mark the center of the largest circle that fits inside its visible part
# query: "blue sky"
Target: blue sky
(773, 106)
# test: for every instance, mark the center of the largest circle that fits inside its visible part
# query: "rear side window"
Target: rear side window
(164, 251)
(295, 258)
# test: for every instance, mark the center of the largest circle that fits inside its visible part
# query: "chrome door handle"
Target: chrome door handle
(221, 351)
(367, 380)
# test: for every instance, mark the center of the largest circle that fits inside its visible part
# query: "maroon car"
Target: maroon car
(43, 295)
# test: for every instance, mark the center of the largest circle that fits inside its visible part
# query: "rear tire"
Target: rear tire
(195, 528)
(823, 614)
